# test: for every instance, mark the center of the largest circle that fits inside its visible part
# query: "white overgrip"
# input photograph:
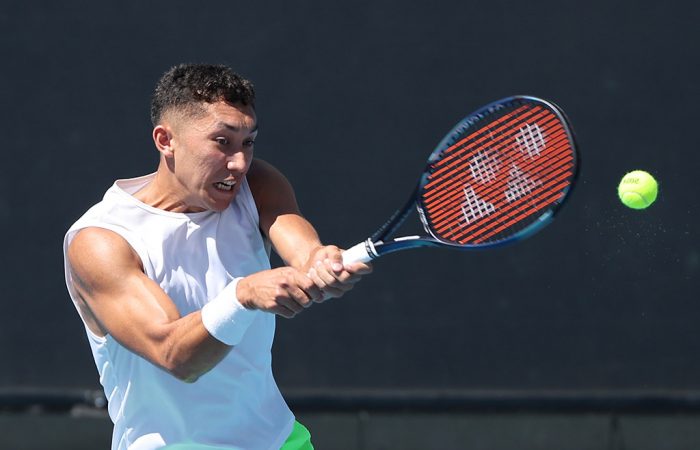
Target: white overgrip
(359, 253)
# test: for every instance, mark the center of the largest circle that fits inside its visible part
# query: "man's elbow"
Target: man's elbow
(188, 365)
(184, 367)
(185, 373)
(188, 378)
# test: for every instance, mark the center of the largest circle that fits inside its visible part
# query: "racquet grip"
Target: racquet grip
(359, 253)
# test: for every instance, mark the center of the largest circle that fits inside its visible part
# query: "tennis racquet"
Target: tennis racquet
(497, 177)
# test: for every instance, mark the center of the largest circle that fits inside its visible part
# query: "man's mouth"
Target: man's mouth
(225, 185)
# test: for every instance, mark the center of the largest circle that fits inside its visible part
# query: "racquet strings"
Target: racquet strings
(497, 180)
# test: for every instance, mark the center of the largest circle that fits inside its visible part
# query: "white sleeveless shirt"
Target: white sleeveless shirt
(237, 404)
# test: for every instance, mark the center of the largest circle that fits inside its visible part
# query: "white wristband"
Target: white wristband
(225, 318)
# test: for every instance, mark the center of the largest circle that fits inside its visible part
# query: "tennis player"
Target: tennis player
(170, 274)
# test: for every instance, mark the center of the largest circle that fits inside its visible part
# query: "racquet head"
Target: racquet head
(499, 175)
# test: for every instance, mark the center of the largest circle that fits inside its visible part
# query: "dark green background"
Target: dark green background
(352, 97)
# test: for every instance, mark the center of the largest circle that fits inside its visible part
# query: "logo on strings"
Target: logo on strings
(486, 165)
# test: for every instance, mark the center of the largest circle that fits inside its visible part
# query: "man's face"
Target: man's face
(211, 154)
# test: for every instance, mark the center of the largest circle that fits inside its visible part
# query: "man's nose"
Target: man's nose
(236, 162)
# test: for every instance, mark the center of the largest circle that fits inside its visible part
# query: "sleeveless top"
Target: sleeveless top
(192, 256)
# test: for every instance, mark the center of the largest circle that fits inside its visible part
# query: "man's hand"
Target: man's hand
(284, 291)
(325, 267)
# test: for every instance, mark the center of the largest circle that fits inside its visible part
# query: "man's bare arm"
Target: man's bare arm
(294, 238)
(117, 298)
(123, 302)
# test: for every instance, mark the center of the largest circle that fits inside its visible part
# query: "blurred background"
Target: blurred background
(585, 336)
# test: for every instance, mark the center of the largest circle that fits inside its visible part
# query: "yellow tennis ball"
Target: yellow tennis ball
(638, 189)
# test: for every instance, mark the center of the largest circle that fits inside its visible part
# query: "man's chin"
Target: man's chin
(220, 200)
(220, 205)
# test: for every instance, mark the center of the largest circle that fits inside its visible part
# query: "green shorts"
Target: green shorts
(299, 439)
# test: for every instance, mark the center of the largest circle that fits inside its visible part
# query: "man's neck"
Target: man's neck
(163, 192)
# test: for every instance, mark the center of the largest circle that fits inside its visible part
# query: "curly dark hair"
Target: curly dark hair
(186, 86)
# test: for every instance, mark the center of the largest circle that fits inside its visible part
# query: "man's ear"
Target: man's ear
(163, 138)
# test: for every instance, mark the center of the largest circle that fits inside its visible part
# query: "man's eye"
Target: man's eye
(222, 141)
(249, 143)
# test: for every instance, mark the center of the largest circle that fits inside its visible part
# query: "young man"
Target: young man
(170, 274)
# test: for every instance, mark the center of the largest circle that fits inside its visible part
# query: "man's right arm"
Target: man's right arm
(117, 298)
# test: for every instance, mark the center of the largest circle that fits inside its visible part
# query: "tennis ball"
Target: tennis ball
(638, 189)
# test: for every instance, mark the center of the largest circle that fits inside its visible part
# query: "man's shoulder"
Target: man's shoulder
(264, 178)
(262, 171)
(111, 216)
(97, 211)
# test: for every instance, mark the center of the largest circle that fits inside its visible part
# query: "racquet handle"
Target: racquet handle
(359, 253)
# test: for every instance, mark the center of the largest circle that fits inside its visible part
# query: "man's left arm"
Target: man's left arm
(295, 240)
